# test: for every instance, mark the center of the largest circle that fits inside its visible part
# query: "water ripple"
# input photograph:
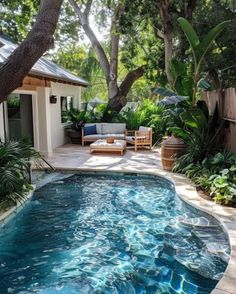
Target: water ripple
(110, 234)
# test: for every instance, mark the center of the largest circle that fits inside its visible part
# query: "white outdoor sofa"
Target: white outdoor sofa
(104, 131)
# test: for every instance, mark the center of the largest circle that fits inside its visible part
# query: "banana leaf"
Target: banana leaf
(171, 100)
(163, 92)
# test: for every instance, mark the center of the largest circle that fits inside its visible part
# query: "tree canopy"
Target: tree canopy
(137, 40)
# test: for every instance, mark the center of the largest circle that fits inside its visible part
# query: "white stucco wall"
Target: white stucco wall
(49, 132)
(1, 122)
(58, 137)
(44, 120)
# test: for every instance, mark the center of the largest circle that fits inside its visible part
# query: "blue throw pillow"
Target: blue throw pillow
(90, 130)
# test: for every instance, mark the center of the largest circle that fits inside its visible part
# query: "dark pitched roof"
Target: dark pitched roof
(43, 67)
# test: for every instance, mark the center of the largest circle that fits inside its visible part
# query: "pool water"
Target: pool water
(110, 234)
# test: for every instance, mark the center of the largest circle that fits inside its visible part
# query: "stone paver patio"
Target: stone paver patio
(76, 157)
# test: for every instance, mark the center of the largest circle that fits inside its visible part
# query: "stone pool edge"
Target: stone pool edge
(188, 193)
(7, 215)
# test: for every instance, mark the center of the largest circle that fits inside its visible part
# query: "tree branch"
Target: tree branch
(88, 8)
(38, 41)
(83, 18)
(76, 8)
(158, 33)
(114, 52)
(130, 78)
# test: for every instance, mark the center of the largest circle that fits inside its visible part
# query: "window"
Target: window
(66, 105)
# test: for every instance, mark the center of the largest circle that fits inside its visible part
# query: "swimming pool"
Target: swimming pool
(95, 233)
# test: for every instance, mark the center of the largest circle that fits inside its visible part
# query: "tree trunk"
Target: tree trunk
(116, 94)
(38, 41)
(113, 89)
(119, 100)
(168, 56)
(166, 34)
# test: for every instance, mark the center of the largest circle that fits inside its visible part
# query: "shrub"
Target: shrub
(147, 114)
(14, 170)
(215, 175)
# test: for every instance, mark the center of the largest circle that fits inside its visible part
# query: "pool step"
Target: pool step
(197, 244)
(198, 222)
(209, 233)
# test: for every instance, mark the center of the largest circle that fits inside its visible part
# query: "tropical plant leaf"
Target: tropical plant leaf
(191, 36)
(189, 32)
(163, 92)
(180, 133)
(171, 100)
(178, 68)
(209, 39)
(204, 85)
(194, 118)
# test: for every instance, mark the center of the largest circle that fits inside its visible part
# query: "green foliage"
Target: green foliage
(16, 18)
(171, 118)
(182, 76)
(147, 114)
(97, 113)
(223, 186)
(14, 167)
(199, 48)
(78, 118)
(200, 133)
(132, 119)
(216, 175)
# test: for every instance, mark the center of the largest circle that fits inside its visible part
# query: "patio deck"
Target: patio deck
(74, 157)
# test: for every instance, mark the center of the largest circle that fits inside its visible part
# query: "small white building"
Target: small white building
(38, 109)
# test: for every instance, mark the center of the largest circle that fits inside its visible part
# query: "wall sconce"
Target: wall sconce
(53, 99)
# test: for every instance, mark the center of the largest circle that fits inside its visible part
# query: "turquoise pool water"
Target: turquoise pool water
(110, 234)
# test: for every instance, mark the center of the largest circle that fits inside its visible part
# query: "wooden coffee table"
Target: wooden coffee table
(101, 146)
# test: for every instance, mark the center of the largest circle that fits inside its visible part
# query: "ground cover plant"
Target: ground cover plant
(215, 175)
(204, 161)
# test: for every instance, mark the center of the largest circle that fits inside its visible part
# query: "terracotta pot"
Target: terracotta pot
(171, 148)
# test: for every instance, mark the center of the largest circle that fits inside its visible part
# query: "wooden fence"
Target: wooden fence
(226, 100)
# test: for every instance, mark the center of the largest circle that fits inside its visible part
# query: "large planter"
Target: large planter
(171, 148)
(75, 136)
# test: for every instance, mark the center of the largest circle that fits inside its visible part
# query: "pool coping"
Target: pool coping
(186, 190)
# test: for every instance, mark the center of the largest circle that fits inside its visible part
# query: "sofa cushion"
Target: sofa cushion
(115, 136)
(90, 130)
(92, 137)
(113, 128)
(101, 144)
(146, 131)
(105, 136)
(98, 126)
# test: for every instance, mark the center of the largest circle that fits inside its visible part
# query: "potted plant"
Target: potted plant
(78, 119)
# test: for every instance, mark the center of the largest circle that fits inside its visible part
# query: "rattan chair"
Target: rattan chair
(140, 139)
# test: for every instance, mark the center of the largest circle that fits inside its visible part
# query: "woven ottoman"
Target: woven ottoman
(101, 146)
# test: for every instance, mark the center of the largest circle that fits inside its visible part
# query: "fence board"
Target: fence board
(226, 101)
(230, 104)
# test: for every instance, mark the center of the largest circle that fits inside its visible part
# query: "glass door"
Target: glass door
(20, 117)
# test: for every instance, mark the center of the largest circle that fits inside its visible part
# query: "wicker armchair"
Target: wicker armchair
(141, 138)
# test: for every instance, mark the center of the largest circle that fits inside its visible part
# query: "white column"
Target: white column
(2, 135)
(44, 121)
